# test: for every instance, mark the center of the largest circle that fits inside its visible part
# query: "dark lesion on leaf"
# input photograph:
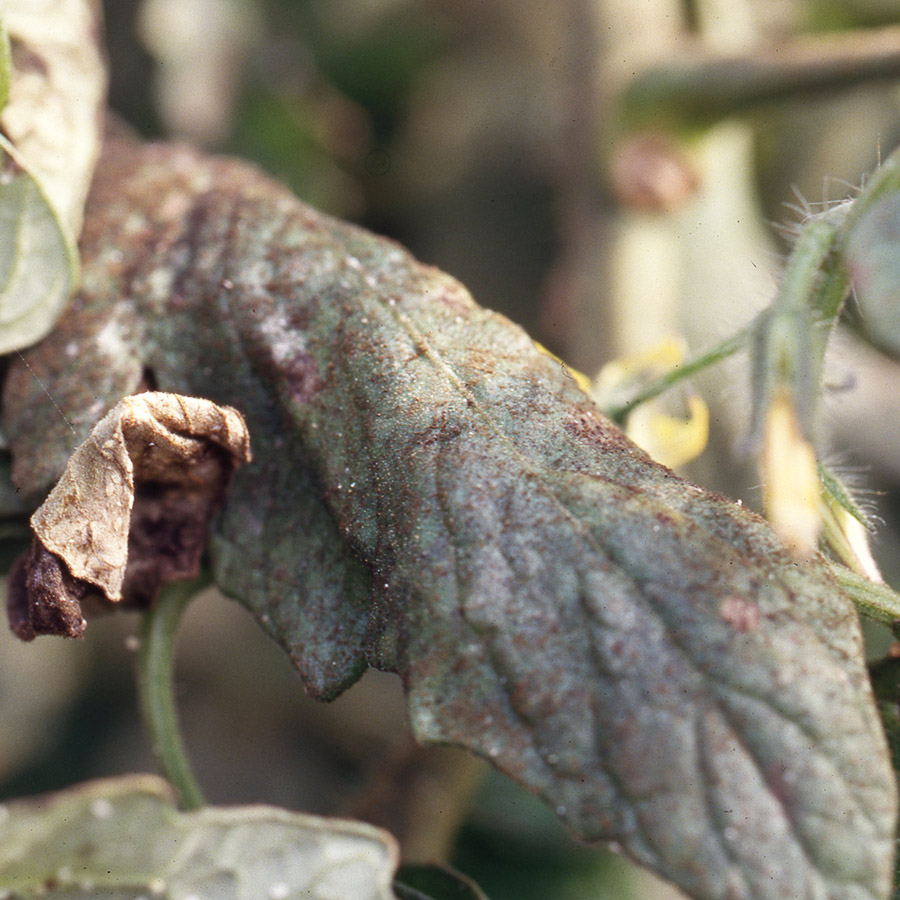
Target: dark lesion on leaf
(148, 381)
(168, 531)
(302, 377)
(589, 426)
(43, 597)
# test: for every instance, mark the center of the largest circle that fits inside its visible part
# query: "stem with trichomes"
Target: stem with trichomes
(156, 688)
(618, 412)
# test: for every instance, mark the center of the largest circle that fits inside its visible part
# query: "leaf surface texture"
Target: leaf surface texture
(431, 494)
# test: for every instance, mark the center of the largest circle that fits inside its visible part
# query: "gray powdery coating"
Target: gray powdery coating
(432, 494)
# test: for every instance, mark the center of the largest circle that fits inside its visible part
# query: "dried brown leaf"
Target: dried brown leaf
(131, 510)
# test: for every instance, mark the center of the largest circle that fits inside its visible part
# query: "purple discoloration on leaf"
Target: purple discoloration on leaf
(433, 495)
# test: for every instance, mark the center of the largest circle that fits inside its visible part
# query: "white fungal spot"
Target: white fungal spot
(110, 342)
(101, 808)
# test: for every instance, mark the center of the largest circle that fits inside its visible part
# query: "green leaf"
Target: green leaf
(432, 494)
(52, 92)
(38, 263)
(874, 267)
(434, 883)
(124, 837)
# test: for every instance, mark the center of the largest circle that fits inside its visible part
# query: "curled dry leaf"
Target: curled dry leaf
(433, 495)
(131, 510)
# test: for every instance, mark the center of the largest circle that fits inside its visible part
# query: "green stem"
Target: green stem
(618, 412)
(701, 88)
(793, 332)
(156, 688)
(876, 601)
(805, 265)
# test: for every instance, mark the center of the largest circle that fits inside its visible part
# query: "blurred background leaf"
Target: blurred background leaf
(125, 836)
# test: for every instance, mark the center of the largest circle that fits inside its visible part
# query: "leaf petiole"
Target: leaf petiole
(156, 689)
(619, 411)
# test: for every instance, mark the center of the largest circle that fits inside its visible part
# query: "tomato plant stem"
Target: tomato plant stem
(156, 688)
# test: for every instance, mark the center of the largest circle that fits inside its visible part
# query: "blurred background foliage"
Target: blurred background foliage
(502, 141)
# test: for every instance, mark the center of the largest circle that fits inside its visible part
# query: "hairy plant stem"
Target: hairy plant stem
(156, 689)
(877, 601)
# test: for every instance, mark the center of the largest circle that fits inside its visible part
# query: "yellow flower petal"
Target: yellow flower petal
(670, 440)
(848, 539)
(790, 478)
(639, 367)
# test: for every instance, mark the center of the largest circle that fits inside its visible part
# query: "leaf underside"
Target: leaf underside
(433, 495)
(124, 838)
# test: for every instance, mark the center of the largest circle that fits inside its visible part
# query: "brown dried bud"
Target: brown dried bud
(650, 173)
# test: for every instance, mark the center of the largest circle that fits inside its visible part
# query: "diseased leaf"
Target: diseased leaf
(51, 126)
(131, 510)
(432, 494)
(124, 838)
